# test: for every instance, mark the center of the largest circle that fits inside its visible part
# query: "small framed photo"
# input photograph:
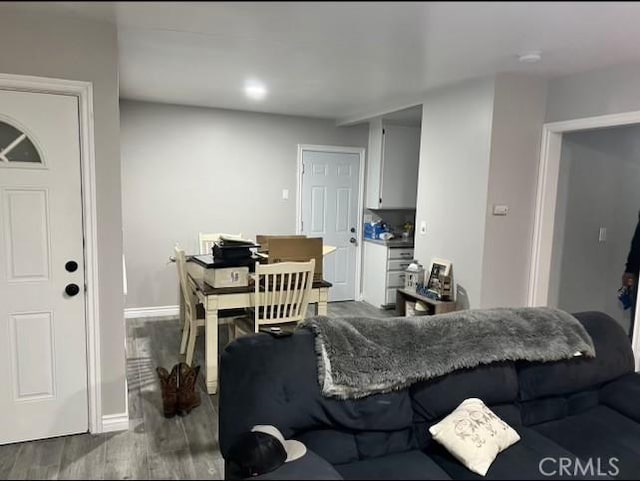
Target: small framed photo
(439, 268)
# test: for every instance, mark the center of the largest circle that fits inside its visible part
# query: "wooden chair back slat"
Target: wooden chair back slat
(282, 292)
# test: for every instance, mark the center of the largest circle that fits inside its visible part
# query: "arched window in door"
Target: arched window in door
(15, 146)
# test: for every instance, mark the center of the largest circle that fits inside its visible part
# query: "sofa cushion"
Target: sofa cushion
(614, 358)
(373, 444)
(310, 466)
(407, 465)
(341, 447)
(267, 380)
(493, 383)
(549, 409)
(520, 461)
(600, 434)
(337, 447)
(623, 395)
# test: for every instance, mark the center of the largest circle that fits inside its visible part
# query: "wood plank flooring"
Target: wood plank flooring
(153, 447)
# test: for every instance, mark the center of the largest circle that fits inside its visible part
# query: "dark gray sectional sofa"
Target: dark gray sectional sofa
(577, 419)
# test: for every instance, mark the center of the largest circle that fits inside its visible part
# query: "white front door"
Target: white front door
(43, 370)
(330, 193)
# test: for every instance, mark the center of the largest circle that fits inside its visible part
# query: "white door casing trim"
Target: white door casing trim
(343, 150)
(84, 92)
(546, 196)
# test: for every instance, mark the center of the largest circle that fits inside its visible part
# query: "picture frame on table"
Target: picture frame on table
(439, 267)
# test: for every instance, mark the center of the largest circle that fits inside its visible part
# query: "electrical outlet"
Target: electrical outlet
(423, 227)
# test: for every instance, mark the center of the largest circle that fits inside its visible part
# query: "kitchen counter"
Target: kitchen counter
(398, 242)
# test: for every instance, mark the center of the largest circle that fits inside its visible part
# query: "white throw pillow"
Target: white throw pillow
(474, 435)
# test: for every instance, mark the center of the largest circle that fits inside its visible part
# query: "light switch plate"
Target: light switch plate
(285, 194)
(602, 235)
(500, 209)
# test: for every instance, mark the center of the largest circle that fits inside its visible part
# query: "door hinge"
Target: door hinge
(380, 200)
(303, 168)
(301, 225)
(382, 131)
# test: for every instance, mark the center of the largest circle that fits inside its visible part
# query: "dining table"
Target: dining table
(218, 300)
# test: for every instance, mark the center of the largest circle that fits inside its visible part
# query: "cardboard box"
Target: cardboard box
(297, 249)
(263, 240)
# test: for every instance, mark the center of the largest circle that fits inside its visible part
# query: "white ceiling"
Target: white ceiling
(347, 60)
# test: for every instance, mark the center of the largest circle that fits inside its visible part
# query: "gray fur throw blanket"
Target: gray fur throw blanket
(360, 356)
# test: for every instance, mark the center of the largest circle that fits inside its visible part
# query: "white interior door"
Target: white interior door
(43, 368)
(330, 193)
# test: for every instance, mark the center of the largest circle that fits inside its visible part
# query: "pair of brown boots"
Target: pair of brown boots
(179, 394)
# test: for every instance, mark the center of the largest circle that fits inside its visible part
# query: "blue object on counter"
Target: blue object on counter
(373, 231)
(625, 297)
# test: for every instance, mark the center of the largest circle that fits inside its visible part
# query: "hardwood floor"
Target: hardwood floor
(153, 447)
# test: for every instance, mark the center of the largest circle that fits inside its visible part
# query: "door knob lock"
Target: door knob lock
(72, 290)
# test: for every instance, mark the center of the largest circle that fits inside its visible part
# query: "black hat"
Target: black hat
(261, 451)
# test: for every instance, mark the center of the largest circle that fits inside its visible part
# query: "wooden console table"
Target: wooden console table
(435, 307)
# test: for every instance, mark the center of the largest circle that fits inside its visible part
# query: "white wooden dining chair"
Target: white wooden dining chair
(282, 292)
(206, 241)
(194, 317)
(191, 321)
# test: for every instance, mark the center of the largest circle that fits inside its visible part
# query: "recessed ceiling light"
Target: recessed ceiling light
(255, 90)
(530, 57)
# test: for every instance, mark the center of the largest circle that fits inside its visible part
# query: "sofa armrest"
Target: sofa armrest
(623, 395)
(310, 466)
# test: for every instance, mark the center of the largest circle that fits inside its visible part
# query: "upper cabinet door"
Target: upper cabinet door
(400, 159)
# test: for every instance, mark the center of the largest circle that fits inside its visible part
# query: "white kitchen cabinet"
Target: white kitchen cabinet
(392, 173)
(384, 271)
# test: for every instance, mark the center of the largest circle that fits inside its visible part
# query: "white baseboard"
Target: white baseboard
(115, 422)
(157, 311)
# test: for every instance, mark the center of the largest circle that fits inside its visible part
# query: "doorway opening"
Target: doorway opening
(586, 213)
